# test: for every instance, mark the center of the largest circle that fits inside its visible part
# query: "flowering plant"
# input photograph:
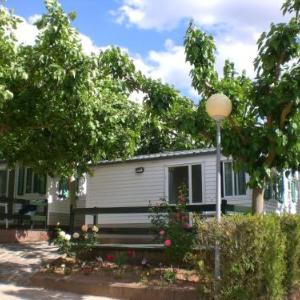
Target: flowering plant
(170, 224)
(79, 245)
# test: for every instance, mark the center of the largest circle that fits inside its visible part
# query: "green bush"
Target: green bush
(170, 224)
(253, 257)
(290, 226)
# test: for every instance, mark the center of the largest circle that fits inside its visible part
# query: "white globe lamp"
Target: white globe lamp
(218, 106)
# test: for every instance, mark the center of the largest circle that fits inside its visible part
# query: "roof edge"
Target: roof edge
(159, 156)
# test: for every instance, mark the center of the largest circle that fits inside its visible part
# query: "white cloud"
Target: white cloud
(167, 14)
(235, 24)
(168, 65)
(34, 18)
(88, 45)
(26, 33)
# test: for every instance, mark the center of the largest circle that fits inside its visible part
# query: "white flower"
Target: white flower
(95, 229)
(62, 234)
(99, 259)
(63, 266)
(75, 235)
(67, 237)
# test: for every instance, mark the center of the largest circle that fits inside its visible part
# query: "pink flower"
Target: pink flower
(167, 243)
(162, 232)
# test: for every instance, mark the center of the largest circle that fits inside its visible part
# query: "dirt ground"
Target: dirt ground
(20, 261)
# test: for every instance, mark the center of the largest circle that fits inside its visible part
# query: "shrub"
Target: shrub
(170, 224)
(290, 225)
(252, 252)
(80, 245)
(169, 276)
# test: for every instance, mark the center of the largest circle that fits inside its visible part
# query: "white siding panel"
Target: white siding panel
(117, 185)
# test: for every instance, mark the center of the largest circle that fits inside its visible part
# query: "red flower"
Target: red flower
(130, 253)
(167, 243)
(109, 257)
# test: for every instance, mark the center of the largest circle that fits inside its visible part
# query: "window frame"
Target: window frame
(190, 189)
(31, 193)
(234, 183)
(7, 180)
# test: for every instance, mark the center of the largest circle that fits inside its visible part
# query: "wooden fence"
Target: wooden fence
(201, 208)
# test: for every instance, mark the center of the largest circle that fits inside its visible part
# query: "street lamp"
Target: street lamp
(218, 107)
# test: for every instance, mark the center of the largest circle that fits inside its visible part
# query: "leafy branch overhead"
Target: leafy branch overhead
(61, 109)
(262, 132)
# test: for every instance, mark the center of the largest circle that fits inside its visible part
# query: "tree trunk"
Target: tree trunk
(257, 201)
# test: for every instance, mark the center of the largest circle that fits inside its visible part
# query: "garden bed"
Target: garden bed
(118, 281)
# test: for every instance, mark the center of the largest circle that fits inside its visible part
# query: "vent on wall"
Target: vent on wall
(139, 170)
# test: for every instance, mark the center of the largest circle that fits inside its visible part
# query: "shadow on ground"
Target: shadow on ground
(11, 292)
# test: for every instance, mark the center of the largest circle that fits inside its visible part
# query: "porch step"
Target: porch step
(126, 238)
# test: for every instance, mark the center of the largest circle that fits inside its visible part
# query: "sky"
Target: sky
(152, 31)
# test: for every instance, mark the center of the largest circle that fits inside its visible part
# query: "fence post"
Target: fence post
(224, 207)
(95, 219)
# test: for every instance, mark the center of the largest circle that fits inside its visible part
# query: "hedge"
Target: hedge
(260, 256)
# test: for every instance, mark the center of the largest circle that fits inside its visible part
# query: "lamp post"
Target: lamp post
(218, 107)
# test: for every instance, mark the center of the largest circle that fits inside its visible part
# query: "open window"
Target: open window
(189, 177)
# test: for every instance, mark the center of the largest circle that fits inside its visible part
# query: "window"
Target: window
(233, 183)
(39, 183)
(3, 182)
(21, 176)
(196, 184)
(294, 190)
(29, 174)
(178, 177)
(31, 182)
(275, 189)
(189, 177)
(63, 187)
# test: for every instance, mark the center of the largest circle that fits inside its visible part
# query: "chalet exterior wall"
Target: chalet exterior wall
(118, 185)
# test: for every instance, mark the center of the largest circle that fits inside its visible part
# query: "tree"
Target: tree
(262, 133)
(10, 68)
(166, 117)
(165, 114)
(64, 112)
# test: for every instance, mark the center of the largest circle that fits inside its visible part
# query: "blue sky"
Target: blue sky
(152, 31)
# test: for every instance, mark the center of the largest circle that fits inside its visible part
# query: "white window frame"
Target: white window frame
(190, 188)
(26, 195)
(7, 178)
(234, 195)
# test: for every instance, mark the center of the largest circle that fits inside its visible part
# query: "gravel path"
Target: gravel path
(18, 262)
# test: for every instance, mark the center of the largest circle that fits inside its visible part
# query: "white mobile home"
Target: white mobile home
(149, 178)
(141, 180)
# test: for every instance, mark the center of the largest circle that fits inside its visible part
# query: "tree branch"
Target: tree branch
(286, 110)
(237, 128)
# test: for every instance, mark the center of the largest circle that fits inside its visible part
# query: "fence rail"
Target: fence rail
(197, 208)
